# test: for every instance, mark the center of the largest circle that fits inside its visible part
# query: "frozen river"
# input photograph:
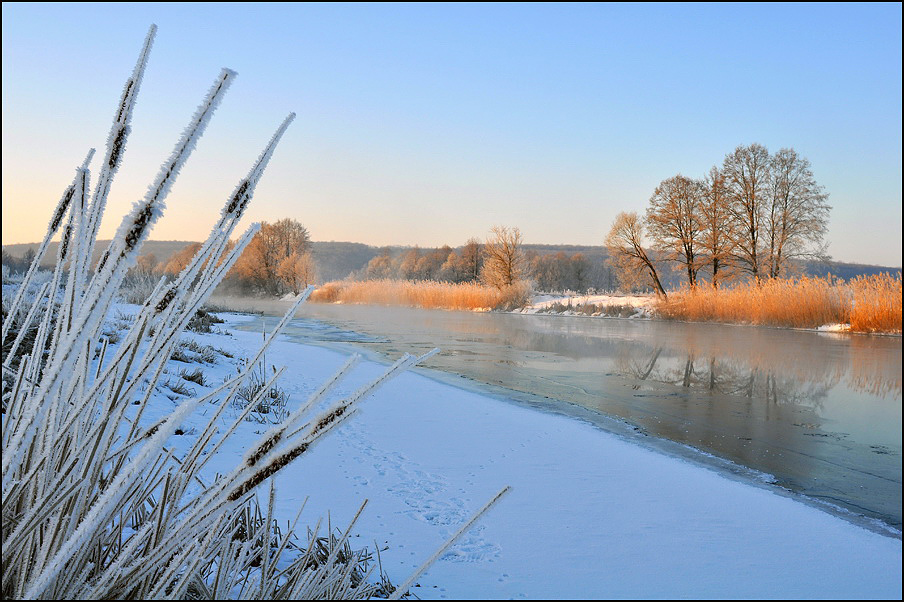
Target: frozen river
(821, 413)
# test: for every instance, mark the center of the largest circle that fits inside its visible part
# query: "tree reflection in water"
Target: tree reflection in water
(733, 378)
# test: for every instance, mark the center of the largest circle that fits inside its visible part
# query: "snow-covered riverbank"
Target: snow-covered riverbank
(622, 306)
(590, 515)
(618, 306)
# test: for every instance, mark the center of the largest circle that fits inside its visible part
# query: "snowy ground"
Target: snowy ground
(573, 304)
(590, 515)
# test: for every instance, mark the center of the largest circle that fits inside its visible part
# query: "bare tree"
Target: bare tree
(261, 259)
(29, 257)
(289, 236)
(716, 241)
(147, 264)
(297, 271)
(379, 267)
(627, 255)
(674, 222)
(429, 265)
(547, 271)
(472, 259)
(463, 265)
(560, 272)
(407, 263)
(579, 272)
(798, 215)
(746, 173)
(181, 258)
(504, 262)
(451, 270)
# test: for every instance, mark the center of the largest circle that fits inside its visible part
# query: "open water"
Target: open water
(819, 412)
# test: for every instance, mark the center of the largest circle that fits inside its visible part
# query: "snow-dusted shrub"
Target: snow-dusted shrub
(178, 387)
(271, 399)
(589, 309)
(189, 351)
(137, 287)
(196, 376)
(203, 321)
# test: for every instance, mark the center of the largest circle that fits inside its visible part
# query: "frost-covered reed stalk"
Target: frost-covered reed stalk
(94, 504)
(56, 219)
(94, 302)
(115, 149)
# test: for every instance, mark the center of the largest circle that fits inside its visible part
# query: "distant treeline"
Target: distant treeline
(340, 260)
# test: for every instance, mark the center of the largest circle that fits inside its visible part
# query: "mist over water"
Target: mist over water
(819, 412)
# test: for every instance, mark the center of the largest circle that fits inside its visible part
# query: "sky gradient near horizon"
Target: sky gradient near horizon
(429, 124)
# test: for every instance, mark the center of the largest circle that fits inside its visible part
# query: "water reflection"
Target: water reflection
(713, 353)
(820, 413)
(868, 364)
(727, 377)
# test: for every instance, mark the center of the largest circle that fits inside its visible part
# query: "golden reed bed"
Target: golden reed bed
(425, 294)
(867, 303)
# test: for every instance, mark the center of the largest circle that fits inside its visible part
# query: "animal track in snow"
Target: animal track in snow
(473, 548)
(426, 496)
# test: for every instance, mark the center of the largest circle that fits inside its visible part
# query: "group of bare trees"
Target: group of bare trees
(499, 261)
(276, 261)
(755, 216)
(18, 264)
(279, 259)
(560, 271)
(417, 264)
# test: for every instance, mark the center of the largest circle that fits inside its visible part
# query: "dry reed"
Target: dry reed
(94, 505)
(876, 305)
(425, 294)
(866, 303)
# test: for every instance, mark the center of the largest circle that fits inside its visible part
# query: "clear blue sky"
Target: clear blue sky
(428, 124)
